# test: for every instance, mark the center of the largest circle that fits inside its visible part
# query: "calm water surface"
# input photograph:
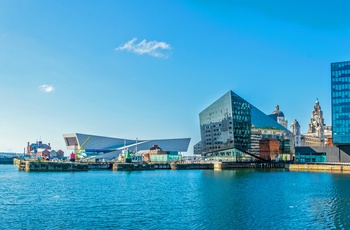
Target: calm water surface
(198, 199)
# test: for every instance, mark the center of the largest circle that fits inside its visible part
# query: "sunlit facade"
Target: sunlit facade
(231, 129)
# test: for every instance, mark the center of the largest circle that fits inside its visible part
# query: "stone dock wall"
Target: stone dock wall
(319, 167)
(192, 166)
(139, 166)
(49, 166)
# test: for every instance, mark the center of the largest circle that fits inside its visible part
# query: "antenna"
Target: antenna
(136, 146)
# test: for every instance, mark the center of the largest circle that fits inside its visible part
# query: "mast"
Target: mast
(136, 146)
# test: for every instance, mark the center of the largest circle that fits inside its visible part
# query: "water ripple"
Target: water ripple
(232, 199)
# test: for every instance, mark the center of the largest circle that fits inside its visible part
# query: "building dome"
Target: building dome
(277, 112)
(295, 122)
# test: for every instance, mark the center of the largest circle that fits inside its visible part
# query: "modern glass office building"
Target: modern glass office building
(226, 123)
(340, 75)
(226, 129)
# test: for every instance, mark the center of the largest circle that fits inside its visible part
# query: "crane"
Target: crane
(77, 152)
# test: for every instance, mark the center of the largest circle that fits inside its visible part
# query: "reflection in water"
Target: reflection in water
(197, 199)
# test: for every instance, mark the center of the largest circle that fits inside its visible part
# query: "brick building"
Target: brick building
(269, 148)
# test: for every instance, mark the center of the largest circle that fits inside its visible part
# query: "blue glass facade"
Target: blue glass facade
(340, 75)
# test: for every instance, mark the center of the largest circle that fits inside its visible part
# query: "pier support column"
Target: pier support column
(217, 166)
(27, 166)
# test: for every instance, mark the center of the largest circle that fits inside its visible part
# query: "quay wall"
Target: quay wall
(318, 167)
(139, 166)
(100, 166)
(49, 166)
(6, 160)
(192, 166)
(236, 165)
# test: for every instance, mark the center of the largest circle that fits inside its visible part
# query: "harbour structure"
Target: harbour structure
(154, 154)
(231, 129)
(157, 154)
(109, 148)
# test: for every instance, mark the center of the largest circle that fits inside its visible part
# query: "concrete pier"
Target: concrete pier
(49, 166)
(237, 165)
(139, 166)
(100, 166)
(175, 166)
(319, 167)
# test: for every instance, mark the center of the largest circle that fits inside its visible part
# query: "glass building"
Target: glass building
(340, 75)
(225, 119)
(229, 129)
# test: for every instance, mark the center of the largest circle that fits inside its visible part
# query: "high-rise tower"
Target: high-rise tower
(340, 75)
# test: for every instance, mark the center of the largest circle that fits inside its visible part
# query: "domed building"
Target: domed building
(278, 115)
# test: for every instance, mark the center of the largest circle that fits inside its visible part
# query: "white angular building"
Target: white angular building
(109, 147)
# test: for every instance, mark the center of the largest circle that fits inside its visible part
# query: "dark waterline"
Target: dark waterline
(198, 199)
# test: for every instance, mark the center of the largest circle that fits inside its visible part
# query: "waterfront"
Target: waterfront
(173, 199)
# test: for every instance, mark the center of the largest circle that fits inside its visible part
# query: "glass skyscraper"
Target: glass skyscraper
(226, 129)
(340, 75)
(226, 124)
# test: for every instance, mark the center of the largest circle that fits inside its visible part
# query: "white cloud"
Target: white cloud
(153, 48)
(46, 88)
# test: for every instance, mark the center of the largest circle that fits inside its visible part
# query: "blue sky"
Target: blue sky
(145, 69)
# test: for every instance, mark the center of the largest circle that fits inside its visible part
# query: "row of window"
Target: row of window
(339, 65)
(338, 73)
(340, 95)
(337, 103)
(214, 126)
(340, 87)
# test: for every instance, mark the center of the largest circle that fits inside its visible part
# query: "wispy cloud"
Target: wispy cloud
(46, 88)
(153, 48)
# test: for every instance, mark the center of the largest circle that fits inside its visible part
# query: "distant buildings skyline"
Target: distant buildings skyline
(337, 147)
(64, 71)
(231, 123)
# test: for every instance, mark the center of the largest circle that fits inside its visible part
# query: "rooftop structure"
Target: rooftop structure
(278, 116)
